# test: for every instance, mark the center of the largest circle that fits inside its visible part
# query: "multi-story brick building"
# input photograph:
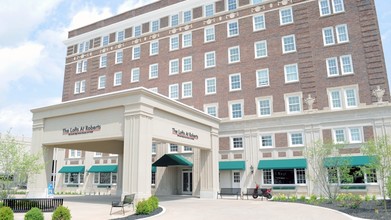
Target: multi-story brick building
(281, 74)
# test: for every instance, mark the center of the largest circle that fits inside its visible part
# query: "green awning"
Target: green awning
(172, 160)
(72, 169)
(347, 161)
(153, 169)
(103, 169)
(282, 164)
(232, 165)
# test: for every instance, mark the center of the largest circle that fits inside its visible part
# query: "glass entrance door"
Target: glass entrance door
(187, 182)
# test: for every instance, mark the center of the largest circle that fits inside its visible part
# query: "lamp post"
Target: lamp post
(252, 169)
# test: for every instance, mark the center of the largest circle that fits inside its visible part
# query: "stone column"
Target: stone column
(38, 183)
(209, 168)
(120, 160)
(137, 151)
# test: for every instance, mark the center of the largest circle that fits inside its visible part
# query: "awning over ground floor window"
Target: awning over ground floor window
(232, 165)
(103, 169)
(282, 164)
(172, 160)
(72, 169)
(347, 161)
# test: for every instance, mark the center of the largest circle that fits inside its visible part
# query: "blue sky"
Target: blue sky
(32, 53)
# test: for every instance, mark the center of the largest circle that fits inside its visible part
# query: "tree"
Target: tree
(16, 163)
(379, 150)
(329, 169)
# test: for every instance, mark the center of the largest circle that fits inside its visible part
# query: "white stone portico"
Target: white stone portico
(126, 123)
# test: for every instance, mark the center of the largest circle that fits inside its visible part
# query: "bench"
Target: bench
(128, 200)
(230, 192)
(25, 204)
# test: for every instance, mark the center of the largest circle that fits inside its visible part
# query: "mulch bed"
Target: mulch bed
(134, 216)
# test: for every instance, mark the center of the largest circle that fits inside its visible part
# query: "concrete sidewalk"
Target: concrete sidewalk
(190, 208)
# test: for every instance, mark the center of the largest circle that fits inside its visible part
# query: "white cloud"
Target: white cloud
(89, 14)
(132, 4)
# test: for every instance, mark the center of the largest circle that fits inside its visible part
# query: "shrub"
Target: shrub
(313, 199)
(154, 201)
(293, 198)
(61, 213)
(144, 207)
(6, 213)
(367, 198)
(349, 200)
(34, 214)
(302, 198)
(1, 204)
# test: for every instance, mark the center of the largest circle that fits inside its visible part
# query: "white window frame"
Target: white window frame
(119, 56)
(231, 55)
(187, 42)
(261, 141)
(74, 153)
(253, 2)
(154, 48)
(232, 142)
(335, 139)
(187, 149)
(328, 66)
(81, 66)
(229, 34)
(337, 33)
(343, 97)
(174, 46)
(137, 31)
(258, 77)
(339, 100)
(231, 89)
(185, 16)
(185, 91)
(256, 24)
(135, 75)
(98, 154)
(104, 39)
(117, 79)
(177, 20)
(256, 49)
(138, 47)
(154, 24)
(207, 35)
(206, 59)
(296, 73)
(287, 104)
(102, 82)
(207, 10)
(120, 36)
(325, 43)
(212, 105)
(154, 71)
(265, 98)
(207, 86)
(231, 104)
(302, 139)
(328, 7)
(171, 92)
(360, 133)
(282, 22)
(349, 57)
(103, 61)
(187, 67)
(228, 5)
(334, 7)
(172, 69)
(284, 51)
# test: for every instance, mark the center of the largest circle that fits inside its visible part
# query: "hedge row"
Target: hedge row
(61, 213)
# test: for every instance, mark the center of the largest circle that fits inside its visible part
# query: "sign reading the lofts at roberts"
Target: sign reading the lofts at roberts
(81, 130)
(184, 134)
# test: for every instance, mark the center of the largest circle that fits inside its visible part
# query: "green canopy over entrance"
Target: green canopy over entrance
(172, 160)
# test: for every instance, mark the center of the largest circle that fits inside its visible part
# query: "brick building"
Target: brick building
(280, 74)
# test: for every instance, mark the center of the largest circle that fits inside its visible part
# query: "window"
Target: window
(187, 40)
(332, 66)
(105, 40)
(342, 33)
(101, 82)
(257, 1)
(73, 178)
(300, 176)
(237, 143)
(153, 71)
(266, 141)
(153, 178)
(232, 5)
(235, 82)
(325, 9)
(259, 22)
(136, 52)
(262, 77)
(74, 154)
(187, 16)
(236, 110)
(174, 20)
(355, 135)
(210, 59)
(135, 75)
(117, 78)
(187, 90)
(103, 61)
(346, 64)
(296, 139)
(293, 103)
(154, 48)
(338, 6)
(284, 176)
(286, 16)
(80, 87)
(209, 10)
(211, 109)
(260, 49)
(291, 73)
(174, 67)
(118, 56)
(154, 148)
(328, 36)
(84, 46)
(187, 149)
(209, 34)
(289, 44)
(353, 175)
(173, 148)
(105, 178)
(81, 66)
(267, 176)
(137, 31)
(120, 36)
(210, 86)
(173, 91)
(174, 42)
(98, 154)
(234, 54)
(187, 64)
(236, 177)
(155, 25)
(233, 28)
(340, 98)
(264, 106)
